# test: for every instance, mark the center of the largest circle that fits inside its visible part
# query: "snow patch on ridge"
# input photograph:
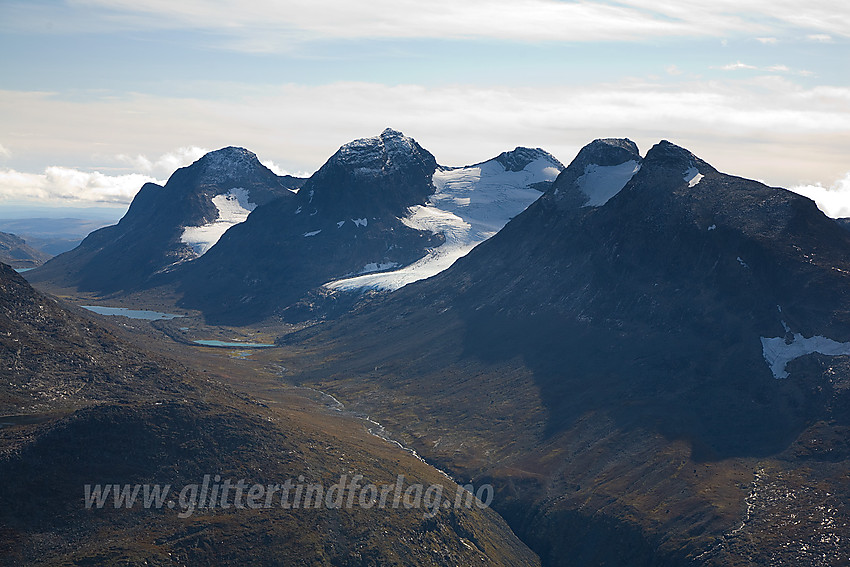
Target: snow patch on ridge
(470, 205)
(693, 176)
(600, 183)
(233, 208)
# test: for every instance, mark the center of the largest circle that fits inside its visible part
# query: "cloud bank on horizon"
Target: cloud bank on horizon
(97, 89)
(70, 187)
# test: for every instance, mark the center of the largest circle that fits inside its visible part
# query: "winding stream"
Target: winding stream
(372, 426)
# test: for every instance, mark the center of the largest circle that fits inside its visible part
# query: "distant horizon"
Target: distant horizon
(17, 211)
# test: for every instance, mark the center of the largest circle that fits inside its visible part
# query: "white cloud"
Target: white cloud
(272, 24)
(737, 66)
(166, 164)
(278, 170)
(767, 40)
(833, 200)
(673, 70)
(62, 185)
(70, 186)
(820, 38)
(4, 152)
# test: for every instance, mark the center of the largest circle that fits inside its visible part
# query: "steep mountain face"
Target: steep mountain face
(18, 254)
(379, 214)
(168, 225)
(79, 406)
(652, 362)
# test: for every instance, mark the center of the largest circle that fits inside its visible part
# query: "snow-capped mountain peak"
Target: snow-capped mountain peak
(226, 164)
(520, 158)
(391, 150)
(601, 182)
(171, 225)
(672, 159)
(369, 177)
(673, 168)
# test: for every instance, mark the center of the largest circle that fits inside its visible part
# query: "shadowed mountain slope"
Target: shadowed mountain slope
(642, 361)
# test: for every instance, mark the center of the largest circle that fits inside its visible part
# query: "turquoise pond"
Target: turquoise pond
(232, 344)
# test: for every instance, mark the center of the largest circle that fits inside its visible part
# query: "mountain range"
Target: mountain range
(378, 214)
(380, 206)
(651, 363)
(52, 236)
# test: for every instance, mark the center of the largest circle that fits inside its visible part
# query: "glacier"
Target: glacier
(470, 205)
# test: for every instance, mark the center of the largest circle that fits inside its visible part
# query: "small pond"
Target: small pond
(131, 313)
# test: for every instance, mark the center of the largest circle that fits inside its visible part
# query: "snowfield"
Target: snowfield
(233, 208)
(600, 182)
(470, 205)
(778, 353)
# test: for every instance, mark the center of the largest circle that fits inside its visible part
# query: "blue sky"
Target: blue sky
(98, 96)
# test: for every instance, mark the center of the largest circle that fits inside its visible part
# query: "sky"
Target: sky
(98, 97)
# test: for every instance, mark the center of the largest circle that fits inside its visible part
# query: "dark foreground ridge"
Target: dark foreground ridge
(79, 406)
